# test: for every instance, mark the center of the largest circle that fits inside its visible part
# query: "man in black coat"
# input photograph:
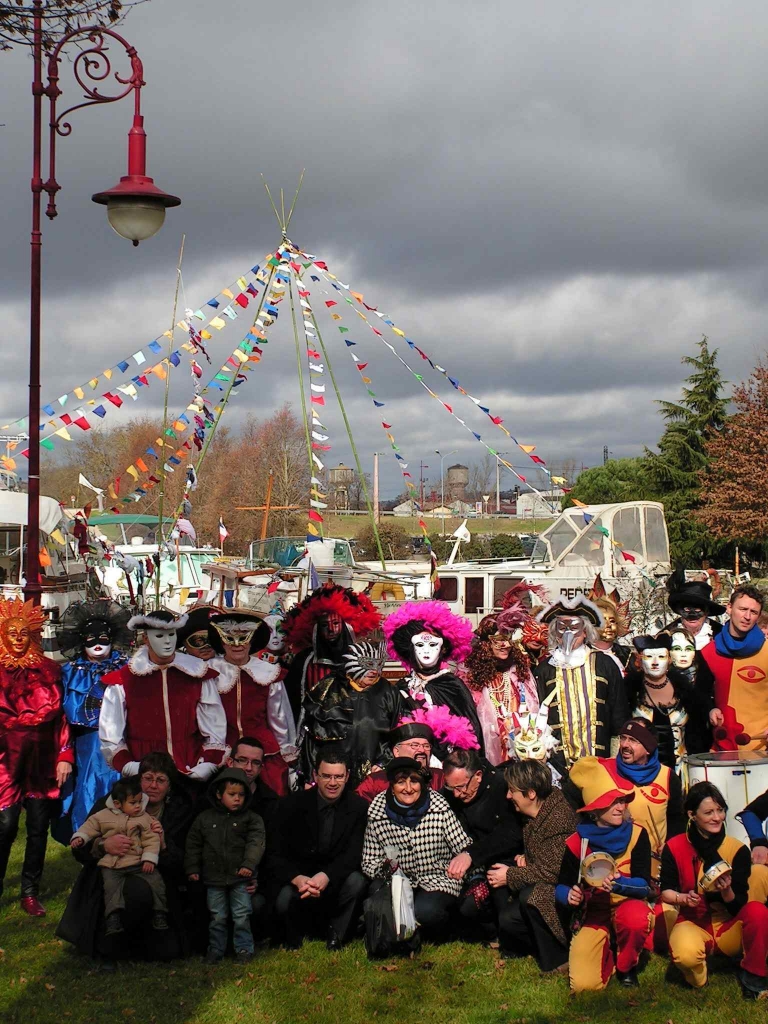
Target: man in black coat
(317, 854)
(477, 794)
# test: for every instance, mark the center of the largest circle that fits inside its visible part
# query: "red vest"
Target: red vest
(690, 869)
(160, 718)
(245, 706)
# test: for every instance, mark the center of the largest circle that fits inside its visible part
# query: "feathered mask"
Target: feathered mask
(86, 618)
(427, 617)
(356, 610)
(452, 730)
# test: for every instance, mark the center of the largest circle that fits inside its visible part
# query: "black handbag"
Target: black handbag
(381, 939)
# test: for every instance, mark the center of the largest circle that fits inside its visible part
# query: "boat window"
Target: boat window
(501, 584)
(449, 588)
(626, 530)
(342, 553)
(589, 548)
(540, 551)
(657, 548)
(560, 535)
(474, 594)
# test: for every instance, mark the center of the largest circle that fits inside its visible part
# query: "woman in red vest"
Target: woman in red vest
(722, 919)
(617, 908)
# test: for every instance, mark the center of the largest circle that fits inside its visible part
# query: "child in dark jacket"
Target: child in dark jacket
(224, 847)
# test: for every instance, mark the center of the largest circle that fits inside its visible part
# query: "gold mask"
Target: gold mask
(235, 634)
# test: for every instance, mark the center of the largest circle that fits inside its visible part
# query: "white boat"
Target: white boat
(633, 557)
(63, 581)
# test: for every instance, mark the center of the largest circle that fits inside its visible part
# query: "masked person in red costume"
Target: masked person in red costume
(162, 700)
(35, 751)
(254, 698)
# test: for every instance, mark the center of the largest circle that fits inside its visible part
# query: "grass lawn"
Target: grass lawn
(43, 980)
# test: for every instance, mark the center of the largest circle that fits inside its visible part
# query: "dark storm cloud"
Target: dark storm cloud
(555, 203)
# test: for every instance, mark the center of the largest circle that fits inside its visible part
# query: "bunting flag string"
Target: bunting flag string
(358, 297)
(378, 404)
(196, 331)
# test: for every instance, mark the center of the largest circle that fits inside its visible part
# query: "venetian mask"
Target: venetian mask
(682, 651)
(501, 643)
(330, 625)
(162, 642)
(365, 663)
(97, 643)
(570, 632)
(276, 642)
(655, 662)
(426, 649)
(197, 645)
(21, 623)
(533, 740)
(16, 637)
(610, 628)
(236, 638)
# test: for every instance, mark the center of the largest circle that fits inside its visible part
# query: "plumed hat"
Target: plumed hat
(580, 605)
(161, 619)
(91, 617)
(454, 731)
(356, 610)
(239, 620)
(427, 617)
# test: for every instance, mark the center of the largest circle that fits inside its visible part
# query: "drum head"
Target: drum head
(597, 867)
(711, 875)
(718, 758)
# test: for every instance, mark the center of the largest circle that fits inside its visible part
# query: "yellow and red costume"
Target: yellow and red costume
(739, 926)
(741, 693)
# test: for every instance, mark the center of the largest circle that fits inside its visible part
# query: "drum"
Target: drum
(596, 867)
(711, 875)
(740, 775)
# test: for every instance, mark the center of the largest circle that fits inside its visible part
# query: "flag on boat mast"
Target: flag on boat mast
(463, 536)
(223, 531)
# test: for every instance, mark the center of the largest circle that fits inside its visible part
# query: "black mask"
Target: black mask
(692, 614)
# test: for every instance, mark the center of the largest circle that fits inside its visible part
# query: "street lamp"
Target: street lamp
(442, 485)
(135, 206)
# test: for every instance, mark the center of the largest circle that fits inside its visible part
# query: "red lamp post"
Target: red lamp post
(135, 208)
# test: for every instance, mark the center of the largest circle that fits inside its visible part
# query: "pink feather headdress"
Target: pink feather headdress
(437, 616)
(454, 731)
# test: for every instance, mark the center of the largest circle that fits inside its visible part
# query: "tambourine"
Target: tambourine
(596, 867)
(711, 875)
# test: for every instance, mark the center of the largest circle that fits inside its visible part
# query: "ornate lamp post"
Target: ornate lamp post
(135, 206)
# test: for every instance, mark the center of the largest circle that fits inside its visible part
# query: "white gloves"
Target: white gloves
(130, 768)
(202, 771)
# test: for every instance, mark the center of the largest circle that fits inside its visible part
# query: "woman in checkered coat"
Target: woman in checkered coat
(427, 835)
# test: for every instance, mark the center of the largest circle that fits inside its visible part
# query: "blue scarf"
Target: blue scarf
(407, 815)
(607, 840)
(739, 647)
(640, 774)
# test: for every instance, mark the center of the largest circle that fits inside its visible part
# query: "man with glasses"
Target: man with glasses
(409, 739)
(318, 851)
(247, 754)
(477, 794)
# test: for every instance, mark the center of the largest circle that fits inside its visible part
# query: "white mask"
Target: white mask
(655, 662)
(426, 649)
(99, 652)
(683, 651)
(276, 641)
(162, 641)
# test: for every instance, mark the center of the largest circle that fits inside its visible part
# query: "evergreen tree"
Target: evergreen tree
(674, 472)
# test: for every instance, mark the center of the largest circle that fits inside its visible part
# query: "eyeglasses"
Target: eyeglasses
(161, 780)
(243, 762)
(459, 789)
(331, 778)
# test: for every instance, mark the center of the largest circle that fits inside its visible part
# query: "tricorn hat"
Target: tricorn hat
(695, 594)
(580, 605)
(652, 643)
(160, 619)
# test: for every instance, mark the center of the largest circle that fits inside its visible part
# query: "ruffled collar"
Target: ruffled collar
(140, 665)
(259, 671)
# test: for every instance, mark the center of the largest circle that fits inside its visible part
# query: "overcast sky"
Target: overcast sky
(555, 203)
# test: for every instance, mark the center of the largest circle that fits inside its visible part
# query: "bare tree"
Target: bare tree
(481, 475)
(60, 17)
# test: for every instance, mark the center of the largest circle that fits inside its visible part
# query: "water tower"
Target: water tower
(456, 481)
(340, 480)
